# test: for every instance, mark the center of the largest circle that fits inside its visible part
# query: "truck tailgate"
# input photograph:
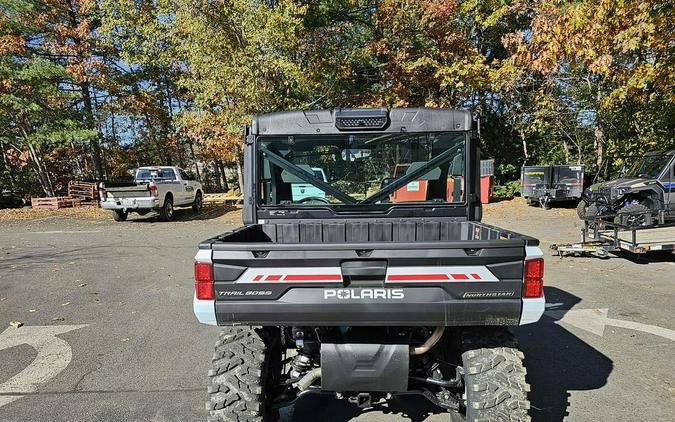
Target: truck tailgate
(476, 282)
(137, 191)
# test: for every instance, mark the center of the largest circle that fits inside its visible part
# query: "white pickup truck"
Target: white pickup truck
(158, 189)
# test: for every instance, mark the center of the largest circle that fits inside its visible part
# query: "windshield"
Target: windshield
(649, 166)
(155, 174)
(362, 169)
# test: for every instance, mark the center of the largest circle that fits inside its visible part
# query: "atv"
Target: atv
(642, 196)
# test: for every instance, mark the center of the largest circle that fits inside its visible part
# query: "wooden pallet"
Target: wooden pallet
(55, 202)
(227, 200)
(87, 192)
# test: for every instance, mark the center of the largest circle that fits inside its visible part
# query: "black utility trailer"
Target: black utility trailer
(551, 183)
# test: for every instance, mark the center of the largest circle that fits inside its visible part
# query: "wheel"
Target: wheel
(591, 212)
(494, 377)
(198, 203)
(581, 209)
(120, 215)
(243, 375)
(166, 213)
(634, 214)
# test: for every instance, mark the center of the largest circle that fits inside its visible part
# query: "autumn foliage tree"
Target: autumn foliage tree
(122, 83)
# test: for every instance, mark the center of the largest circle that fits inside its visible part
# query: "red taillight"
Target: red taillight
(101, 192)
(204, 280)
(153, 190)
(533, 286)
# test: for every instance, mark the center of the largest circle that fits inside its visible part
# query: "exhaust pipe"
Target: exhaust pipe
(427, 345)
(308, 379)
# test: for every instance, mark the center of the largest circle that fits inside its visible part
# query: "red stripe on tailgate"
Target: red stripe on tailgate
(313, 277)
(476, 276)
(258, 277)
(460, 276)
(417, 277)
(273, 278)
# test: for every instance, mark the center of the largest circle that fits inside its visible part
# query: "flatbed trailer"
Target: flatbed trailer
(600, 236)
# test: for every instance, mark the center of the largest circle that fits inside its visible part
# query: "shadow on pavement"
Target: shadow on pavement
(326, 408)
(647, 258)
(558, 361)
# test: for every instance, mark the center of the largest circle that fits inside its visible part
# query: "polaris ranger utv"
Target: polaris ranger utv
(354, 294)
(642, 196)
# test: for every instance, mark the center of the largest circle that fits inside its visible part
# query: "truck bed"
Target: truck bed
(388, 273)
(340, 232)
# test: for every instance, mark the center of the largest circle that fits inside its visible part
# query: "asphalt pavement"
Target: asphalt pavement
(109, 333)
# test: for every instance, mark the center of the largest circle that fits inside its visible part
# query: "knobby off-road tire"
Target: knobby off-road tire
(581, 209)
(494, 376)
(634, 215)
(120, 215)
(243, 374)
(166, 212)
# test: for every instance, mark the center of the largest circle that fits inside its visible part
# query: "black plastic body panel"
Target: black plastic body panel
(422, 307)
(364, 367)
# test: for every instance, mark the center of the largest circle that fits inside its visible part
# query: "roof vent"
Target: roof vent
(361, 119)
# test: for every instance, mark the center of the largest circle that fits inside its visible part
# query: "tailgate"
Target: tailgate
(422, 283)
(129, 192)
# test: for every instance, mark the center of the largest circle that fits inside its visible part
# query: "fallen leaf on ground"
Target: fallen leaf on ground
(58, 318)
(32, 310)
(82, 285)
(15, 324)
(65, 304)
(4, 298)
(125, 339)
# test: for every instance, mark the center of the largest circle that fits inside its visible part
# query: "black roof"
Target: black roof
(421, 119)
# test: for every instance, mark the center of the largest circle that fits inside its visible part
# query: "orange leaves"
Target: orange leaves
(214, 136)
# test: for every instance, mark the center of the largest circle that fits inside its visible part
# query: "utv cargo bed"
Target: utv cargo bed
(413, 273)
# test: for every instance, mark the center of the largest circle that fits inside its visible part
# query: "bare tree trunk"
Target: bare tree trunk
(194, 160)
(8, 168)
(566, 151)
(221, 167)
(45, 182)
(216, 170)
(598, 144)
(524, 141)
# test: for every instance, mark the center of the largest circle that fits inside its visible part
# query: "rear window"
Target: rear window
(155, 174)
(571, 174)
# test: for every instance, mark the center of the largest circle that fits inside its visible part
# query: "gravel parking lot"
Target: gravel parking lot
(134, 350)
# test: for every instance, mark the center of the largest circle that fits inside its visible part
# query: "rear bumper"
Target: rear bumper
(130, 203)
(398, 306)
(450, 313)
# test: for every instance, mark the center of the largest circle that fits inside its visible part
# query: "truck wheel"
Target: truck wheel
(634, 214)
(166, 213)
(120, 215)
(581, 209)
(198, 203)
(494, 377)
(244, 371)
